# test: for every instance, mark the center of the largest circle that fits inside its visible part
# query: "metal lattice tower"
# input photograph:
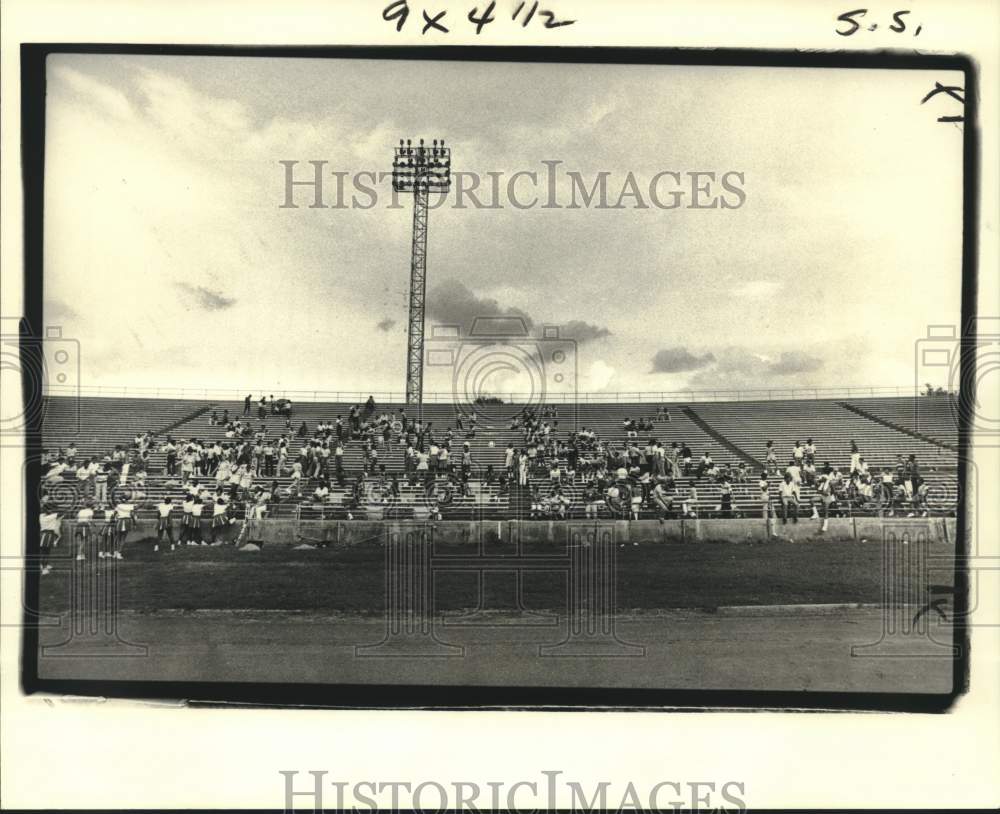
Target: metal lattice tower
(420, 170)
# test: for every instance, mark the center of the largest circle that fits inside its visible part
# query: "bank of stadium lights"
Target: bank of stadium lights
(416, 167)
(419, 169)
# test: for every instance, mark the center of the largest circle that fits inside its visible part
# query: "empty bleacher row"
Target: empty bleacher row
(96, 425)
(742, 427)
(934, 417)
(831, 426)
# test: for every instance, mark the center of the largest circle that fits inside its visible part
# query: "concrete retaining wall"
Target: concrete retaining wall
(361, 532)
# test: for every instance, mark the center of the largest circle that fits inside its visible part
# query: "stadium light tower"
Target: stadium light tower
(420, 170)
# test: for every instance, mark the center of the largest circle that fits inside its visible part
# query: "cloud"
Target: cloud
(738, 368)
(583, 331)
(107, 99)
(386, 325)
(679, 360)
(794, 361)
(601, 374)
(452, 303)
(206, 298)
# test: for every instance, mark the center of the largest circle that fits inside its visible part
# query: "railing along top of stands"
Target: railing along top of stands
(399, 397)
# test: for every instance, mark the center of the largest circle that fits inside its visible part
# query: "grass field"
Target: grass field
(701, 575)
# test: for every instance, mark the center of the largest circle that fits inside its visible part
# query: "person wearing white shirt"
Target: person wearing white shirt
(164, 526)
(855, 458)
(794, 472)
(101, 485)
(48, 525)
(220, 518)
(187, 521)
(197, 508)
(765, 495)
(84, 524)
(788, 490)
(123, 525)
(56, 471)
(107, 534)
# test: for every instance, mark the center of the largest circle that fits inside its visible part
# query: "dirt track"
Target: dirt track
(791, 651)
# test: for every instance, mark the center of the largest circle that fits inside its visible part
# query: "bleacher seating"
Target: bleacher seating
(934, 417)
(832, 427)
(730, 431)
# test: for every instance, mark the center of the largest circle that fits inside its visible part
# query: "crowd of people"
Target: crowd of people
(244, 467)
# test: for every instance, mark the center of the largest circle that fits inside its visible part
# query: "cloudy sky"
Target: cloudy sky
(169, 255)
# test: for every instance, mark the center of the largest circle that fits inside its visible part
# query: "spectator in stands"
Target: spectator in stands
(798, 453)
(84, 479)
(704, 464)
(789, 493)
(726, 498)
(101, 479)
(911, 472)
(663, 499)
(685, 454)
(794, 471)
(771, 459)
(855, 458)
(810, 451)
(322, 492)
(827, 498)
(674, 460)
(246, 405)
(557, 503)
(689, 506)
(920, 504)
(615, 501)
(591, 501)
(170, 448)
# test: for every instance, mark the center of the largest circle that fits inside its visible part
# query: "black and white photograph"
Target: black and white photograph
(459, 405)
(501, 381)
